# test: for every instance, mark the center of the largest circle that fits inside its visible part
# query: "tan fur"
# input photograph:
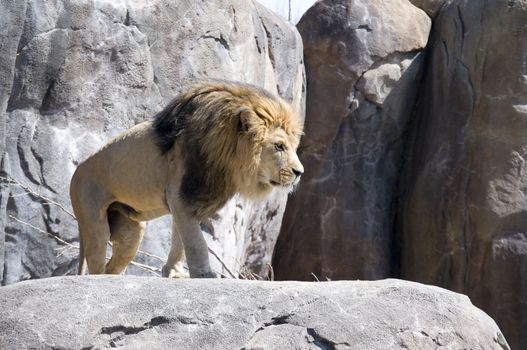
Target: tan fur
(216, 140)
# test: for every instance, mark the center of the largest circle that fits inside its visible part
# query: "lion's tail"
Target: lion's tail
(82, 260)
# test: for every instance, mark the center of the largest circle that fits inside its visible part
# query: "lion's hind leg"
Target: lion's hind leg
(90, 204)
(94, 240)
(126, 236)
(94, 232)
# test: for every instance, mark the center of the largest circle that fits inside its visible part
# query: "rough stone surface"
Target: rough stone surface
(95, 312)
(464, 207)
(363, 60)
(11, 26)
(74, 73)
(431, 7)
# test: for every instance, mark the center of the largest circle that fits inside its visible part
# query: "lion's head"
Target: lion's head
(268, 136)
(279, 163)
(237, 138)
(271, 131)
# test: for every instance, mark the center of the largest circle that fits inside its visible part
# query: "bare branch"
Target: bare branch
(271, 272)
(60, 240)
(222, 263)
(29, 190)
(150, 269)
(315, 276)
(152, 256)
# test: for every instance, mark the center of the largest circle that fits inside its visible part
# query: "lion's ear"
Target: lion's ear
(247, 119)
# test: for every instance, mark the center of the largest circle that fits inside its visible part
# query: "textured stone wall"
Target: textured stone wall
(363, 62)
(419, 177)
(463, 214)
(75, 73)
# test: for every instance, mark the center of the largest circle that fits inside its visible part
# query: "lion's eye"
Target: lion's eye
(280, 147)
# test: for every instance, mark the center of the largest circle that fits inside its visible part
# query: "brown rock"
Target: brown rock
(464, 210)
(362, 64)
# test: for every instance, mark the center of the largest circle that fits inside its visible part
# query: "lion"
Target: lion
(216, 140)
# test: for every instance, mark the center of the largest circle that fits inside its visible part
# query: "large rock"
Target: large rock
(74, 73)
(363, 60)
(95, 312)
(464, 209)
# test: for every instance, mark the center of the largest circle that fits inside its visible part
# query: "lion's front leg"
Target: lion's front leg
(196, 250)
(174, 267)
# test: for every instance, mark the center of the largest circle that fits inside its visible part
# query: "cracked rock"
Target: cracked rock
(95, 312)
(463, 210)
(363, 63)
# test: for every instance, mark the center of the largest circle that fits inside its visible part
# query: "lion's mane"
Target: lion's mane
(221, 127)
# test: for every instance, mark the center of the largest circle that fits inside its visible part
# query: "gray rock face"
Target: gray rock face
(11, 25)
(464, 211)
(75, 73)
(363, 60)
(94, 312)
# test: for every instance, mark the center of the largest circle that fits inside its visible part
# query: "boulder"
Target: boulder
(95, 312)
(75, 73)
(463, 211)
(363, 62)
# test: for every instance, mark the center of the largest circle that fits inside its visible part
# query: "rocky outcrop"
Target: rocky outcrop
(94, 312)
(362, 75)
(74, 73)
(464, 209)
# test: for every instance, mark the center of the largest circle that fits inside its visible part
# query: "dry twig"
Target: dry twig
(315, 276)
(69, 245)
(222, 264)
(271, 272)
(27, 189)
(60, 240)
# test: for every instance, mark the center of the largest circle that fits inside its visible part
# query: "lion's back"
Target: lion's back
(130, 168)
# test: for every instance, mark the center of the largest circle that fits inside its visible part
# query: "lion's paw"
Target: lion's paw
(171, 272)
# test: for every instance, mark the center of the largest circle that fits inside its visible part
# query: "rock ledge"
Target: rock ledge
(94, 312)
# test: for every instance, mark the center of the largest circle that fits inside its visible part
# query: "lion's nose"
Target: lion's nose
(298, 172)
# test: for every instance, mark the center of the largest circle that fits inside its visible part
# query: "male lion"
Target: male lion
(216, 140)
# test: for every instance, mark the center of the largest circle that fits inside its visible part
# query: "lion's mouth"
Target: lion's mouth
(282, 185)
